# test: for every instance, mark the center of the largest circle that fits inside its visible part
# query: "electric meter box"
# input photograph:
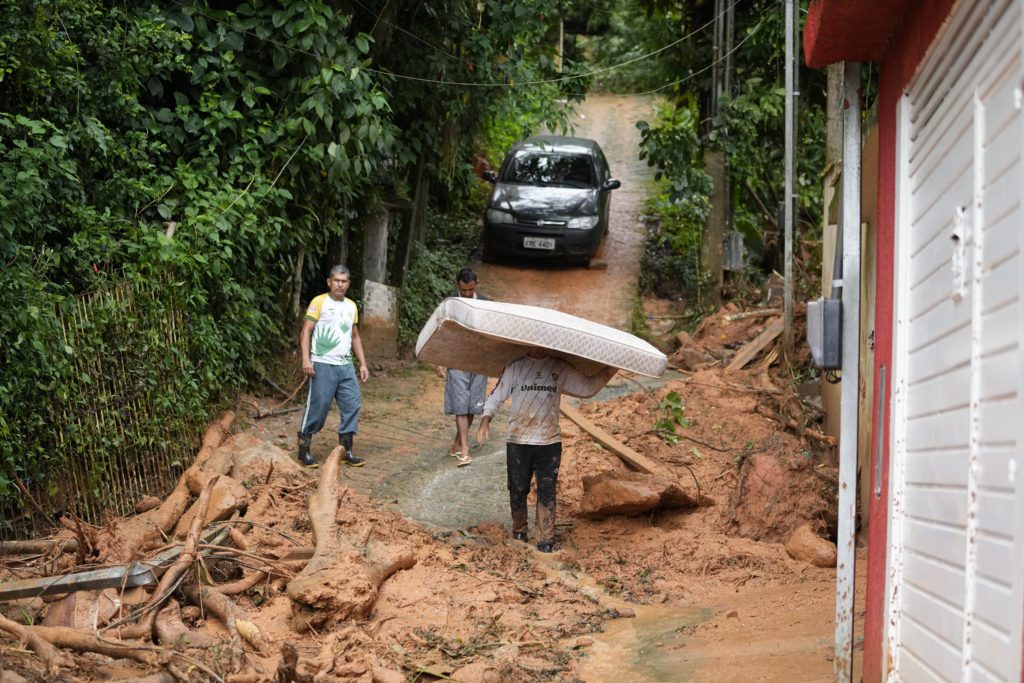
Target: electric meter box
(824, 332)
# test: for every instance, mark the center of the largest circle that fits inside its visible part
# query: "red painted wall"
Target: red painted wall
(902, 58)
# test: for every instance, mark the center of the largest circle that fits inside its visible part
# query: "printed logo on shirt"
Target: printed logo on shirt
(538, 387)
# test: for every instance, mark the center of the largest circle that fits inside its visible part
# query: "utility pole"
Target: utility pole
(787, 297)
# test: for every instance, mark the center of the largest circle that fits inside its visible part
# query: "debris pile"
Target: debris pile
(255, 569)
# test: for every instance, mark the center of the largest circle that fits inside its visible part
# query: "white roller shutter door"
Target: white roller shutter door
(958, 420)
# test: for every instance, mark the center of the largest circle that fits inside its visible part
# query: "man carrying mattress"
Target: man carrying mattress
(463, 391)
(535, 383)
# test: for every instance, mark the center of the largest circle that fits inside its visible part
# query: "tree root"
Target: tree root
(145, 627)
(238, 624)
(148, 530)
(52, 658)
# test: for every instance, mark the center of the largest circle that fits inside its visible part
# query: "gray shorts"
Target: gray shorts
(464, 393)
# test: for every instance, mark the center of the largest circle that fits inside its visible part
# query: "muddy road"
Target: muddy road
(606, 292)
(407, 444)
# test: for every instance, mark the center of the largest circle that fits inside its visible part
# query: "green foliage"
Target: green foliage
(203, 147)
(431, 278)
(672, 255)
(623, 33)
(672, 418)
(748, 125)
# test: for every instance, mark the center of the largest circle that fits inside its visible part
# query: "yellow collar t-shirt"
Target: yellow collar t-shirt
(332, 336)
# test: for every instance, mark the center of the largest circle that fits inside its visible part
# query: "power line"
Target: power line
(470, 84)
(709, 66)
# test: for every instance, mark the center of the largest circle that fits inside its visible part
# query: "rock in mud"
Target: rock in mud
(806, 546)
(478, 672)
(631, 493)
(381, 675)
(692, 359)
(227, 496)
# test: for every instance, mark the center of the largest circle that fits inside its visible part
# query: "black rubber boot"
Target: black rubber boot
(519, 536)
(349, 458)
(546, 547)
(305, 458)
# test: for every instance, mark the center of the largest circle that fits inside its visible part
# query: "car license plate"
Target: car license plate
(539, 242)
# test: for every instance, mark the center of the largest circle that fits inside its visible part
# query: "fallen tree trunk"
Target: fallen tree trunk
(148, 530)
(338, 583)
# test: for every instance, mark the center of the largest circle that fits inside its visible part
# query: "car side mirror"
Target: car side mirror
(611, 185)
(489, 176)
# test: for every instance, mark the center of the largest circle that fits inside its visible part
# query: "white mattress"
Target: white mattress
(482, 336)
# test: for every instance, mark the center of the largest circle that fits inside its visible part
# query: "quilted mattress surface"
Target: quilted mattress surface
(482, 336)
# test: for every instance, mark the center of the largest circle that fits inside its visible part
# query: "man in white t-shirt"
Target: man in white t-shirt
(329, 339)
(535, 383)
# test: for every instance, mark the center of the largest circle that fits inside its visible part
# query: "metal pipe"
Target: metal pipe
(789, 142)
(850, 390)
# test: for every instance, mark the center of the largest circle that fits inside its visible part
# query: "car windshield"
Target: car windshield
(545, 168)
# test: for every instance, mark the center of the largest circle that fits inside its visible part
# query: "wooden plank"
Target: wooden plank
(747, 353)
(627, 454)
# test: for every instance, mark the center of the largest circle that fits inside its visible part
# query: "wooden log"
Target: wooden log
(628, 455)
(751, 349)
(763, 313)
(793, 424)
(42, 547)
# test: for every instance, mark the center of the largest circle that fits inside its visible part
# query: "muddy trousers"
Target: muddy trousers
(522, 461)
(332, 383)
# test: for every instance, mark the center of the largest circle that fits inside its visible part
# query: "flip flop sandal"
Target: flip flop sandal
(456, 454)
(463, 461)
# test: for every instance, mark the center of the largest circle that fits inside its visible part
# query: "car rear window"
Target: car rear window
(539, 168)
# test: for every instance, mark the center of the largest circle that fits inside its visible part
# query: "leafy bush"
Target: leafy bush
(672, 255)
(431, 278)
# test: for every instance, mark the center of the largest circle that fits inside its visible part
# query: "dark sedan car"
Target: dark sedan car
(550, 200)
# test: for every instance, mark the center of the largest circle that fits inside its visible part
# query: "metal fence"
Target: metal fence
(118, 432)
